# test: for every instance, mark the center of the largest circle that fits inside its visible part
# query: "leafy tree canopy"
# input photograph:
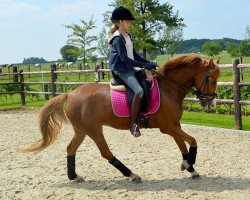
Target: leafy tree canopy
(66, 52)
(212, 48)
(233, 49)
(81, 39)
(103, 45)
(244, 48)
(34, 60)
(248, 32)
(151, 18)
(171, 40)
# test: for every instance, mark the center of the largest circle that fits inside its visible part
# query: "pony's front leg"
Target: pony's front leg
(185, 156)
(189, 157)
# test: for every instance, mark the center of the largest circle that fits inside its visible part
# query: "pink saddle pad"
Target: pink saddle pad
(120, 103)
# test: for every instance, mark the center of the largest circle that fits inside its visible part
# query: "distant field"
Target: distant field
(225, 58)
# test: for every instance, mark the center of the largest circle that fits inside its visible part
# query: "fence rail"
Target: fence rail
(53, 74)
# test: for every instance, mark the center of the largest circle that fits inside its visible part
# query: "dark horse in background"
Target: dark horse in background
(89, 107)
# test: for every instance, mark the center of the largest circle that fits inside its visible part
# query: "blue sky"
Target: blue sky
(33, 28)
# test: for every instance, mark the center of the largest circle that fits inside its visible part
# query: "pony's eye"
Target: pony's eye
(213, 82)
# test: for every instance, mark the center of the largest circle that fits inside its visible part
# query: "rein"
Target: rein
(202, 96)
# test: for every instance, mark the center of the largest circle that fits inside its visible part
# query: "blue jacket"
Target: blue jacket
(118, 59)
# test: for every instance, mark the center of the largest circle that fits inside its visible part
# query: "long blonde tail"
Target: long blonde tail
(50, 120)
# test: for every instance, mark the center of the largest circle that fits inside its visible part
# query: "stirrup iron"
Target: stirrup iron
(134, 129)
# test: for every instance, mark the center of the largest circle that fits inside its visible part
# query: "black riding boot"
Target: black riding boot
(135, 109)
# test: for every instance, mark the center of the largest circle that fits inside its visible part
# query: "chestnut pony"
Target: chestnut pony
(89, 107)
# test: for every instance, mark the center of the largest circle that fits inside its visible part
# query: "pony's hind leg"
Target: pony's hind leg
(71, 153)
(102, 145)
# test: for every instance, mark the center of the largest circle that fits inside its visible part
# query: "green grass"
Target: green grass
(213, 120)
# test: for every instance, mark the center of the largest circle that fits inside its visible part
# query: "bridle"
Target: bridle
(202, 94)
(205, 95)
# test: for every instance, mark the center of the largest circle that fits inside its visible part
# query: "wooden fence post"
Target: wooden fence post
(236, 87)
(102, 66)
(80, 68)
(22, 88)
(9, 71)
(46, 89)
(96, 74)
(29, 70)
(15, 74)
(53, 79)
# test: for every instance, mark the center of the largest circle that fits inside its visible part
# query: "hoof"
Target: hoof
(78, 179)
(135, 178)
(184, 165)
(195, 175)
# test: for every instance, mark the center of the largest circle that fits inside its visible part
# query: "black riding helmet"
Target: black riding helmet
(121, 13)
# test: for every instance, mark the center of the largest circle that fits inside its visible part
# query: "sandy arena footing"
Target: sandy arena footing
(223, 162)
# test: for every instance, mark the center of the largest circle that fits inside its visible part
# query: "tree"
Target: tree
(103, 45)
(172, 36)
(33, 60)
(66, 52)
(233, 49)
(244, 48)
(196, 45)
(151, 18)
(248, 32)
(211, 48)
(81, 39)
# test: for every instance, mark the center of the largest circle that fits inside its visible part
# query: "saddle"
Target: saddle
(118, 84)
(122, 96)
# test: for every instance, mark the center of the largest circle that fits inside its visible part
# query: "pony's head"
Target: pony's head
(206, 82)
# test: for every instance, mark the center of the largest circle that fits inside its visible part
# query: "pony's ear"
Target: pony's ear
(209, 64)
(217, 61)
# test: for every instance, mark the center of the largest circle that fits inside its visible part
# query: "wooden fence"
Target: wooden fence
(53, 74)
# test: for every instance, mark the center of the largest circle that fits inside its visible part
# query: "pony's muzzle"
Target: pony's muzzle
(212, 104)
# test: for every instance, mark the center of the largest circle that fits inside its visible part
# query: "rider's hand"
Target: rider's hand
(149, 66)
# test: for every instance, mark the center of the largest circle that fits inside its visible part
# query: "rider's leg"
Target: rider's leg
(129, 78)
(135, 110)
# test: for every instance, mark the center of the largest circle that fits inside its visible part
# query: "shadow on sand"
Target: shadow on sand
(205, 183)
